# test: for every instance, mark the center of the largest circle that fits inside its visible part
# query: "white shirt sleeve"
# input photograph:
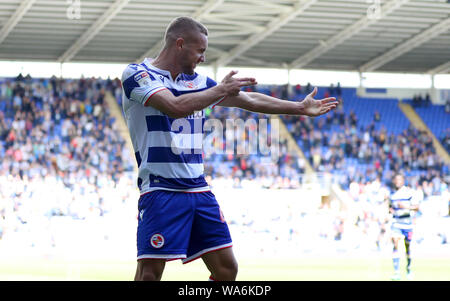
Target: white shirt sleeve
(139, 85)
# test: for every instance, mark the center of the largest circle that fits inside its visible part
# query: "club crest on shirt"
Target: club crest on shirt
(157, 241)
(190, 85)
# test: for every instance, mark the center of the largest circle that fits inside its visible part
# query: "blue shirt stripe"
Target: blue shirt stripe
(177, 183)
(176, 92)
(210, 83)
(129, 84)
(138, 158)
(167, 155)
(185, 76)
(164, 124)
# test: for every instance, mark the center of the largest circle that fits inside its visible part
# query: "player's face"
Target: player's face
(193, 53)
(398, 181)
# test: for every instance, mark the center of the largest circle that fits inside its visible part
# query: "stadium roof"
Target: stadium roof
(363, 35)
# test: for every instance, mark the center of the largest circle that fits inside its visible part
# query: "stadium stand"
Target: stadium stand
(435, 117)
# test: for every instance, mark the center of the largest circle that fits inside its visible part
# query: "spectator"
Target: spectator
(308, 88)
(19, 78)
(376, 116)
(338, 89)
(415, 101)
(427, 100)
(419, 100)
(331, 90)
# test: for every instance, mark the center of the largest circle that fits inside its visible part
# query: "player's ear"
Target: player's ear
(179, 43)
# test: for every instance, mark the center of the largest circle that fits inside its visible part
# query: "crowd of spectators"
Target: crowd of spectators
(60, 126)
(411, 152)
(58, 134)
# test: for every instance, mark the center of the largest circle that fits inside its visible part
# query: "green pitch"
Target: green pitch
(333, 269)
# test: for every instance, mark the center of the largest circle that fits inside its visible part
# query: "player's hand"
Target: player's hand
(315, 107)
(233, 85)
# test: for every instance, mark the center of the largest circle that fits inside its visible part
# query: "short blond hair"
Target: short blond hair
(183, 27)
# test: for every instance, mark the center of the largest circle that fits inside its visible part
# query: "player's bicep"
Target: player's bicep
(144, 94)
(162, 100)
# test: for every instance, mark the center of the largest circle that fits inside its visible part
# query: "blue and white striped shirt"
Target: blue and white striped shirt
(168, 151)
(402, 217)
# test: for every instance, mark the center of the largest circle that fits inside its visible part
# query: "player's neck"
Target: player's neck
(167, 62)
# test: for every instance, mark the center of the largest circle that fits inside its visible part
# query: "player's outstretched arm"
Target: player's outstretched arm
(261, 103)
(186, 104)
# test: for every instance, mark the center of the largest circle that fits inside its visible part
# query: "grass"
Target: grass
(299, 269)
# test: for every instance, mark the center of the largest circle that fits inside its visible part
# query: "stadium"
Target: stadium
(305, 198)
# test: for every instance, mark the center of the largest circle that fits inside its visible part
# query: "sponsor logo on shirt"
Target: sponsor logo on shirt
(142, 78)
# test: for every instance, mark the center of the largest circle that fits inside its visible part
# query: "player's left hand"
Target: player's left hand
(316, 107)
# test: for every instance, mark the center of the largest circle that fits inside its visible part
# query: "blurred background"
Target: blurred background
(315, 211)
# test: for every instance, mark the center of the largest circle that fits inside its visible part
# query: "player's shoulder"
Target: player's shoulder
(132, 69)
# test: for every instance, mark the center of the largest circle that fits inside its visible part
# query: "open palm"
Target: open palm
(316, 107)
